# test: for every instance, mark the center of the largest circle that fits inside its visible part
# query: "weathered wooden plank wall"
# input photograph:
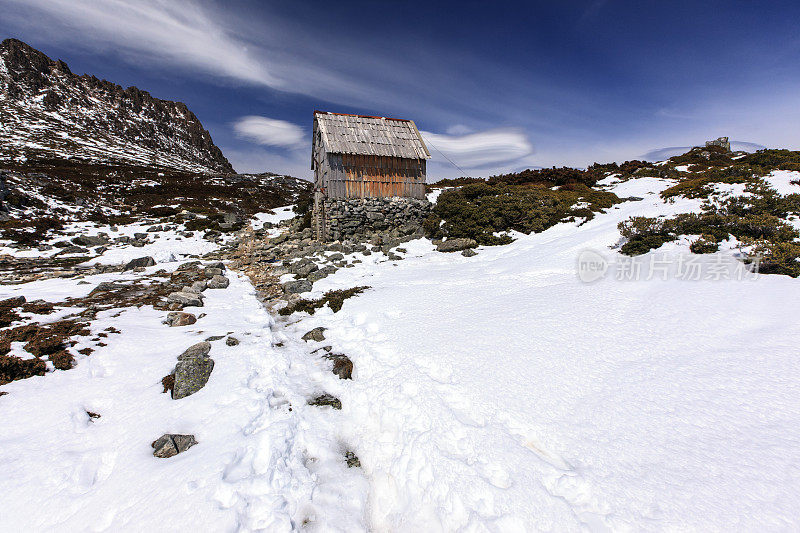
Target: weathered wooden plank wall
(370, 176)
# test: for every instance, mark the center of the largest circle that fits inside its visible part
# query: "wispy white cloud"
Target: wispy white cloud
(180, 33)
(480, 149)
(459, 129)
(269, 131)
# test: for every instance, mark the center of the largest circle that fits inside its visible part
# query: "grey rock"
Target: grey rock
(335, 257)
(213, 338)
(74, 250)
(170, 445)
(469, 252)
(352, 460)
(178, 318)
(186, 298)
(297, 286)
(201, 349)
(146, 261)
(218, 282)
(306, 269)
(342, 365)
(140, 236)
(232, 341)
(89, 240)
(316, 334)
(199, 286)
(456, 245)
(216, 264)
(326, 400)
(193, 370)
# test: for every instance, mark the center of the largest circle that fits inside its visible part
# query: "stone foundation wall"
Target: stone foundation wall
(346, 219)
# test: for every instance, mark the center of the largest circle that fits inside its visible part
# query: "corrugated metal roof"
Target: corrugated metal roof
(365, 135)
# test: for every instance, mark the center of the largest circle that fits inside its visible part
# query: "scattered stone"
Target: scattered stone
(456, 245)
(92, 415)
(191, 265)
(326, 400)
(352, 460)
(232, 341)
(179, 318)
(74, 250)
(193, 370)
(188, 299)
(88, 240)
(335, 257)
(170, 445)
(469, 252)
(216, 264)
(146, 261)
(297, 286)
(211, 272)
(316, 334)
(218, 282)
(342, 365)
(306, 269)
(199, 286)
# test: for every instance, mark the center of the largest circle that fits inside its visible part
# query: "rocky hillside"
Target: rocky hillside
(48, 112)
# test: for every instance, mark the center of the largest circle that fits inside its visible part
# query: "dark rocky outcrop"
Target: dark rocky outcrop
(62, 113)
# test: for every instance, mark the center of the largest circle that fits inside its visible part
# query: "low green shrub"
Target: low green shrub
(334, 299)
(481, 210)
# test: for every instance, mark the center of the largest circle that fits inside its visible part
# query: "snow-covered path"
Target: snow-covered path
(264, 459)
(501, 393)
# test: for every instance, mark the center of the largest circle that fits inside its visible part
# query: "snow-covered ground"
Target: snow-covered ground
(492, 393)
(501, 393)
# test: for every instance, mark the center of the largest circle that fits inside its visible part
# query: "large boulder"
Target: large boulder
(170, 445)
(146, 261)
(193, 370)
(456, 245)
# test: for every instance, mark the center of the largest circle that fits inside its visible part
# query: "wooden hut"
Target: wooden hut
(358, 156)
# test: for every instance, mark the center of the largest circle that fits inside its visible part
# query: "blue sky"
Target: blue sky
(494, 86)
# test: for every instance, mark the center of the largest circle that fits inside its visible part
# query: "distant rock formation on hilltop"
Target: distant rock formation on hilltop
(47, 112)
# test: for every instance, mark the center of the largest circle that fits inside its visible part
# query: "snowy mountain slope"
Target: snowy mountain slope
(47, 112)
(489, 393)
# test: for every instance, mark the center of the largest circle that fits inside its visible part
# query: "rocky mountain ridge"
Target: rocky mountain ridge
(48, 112)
